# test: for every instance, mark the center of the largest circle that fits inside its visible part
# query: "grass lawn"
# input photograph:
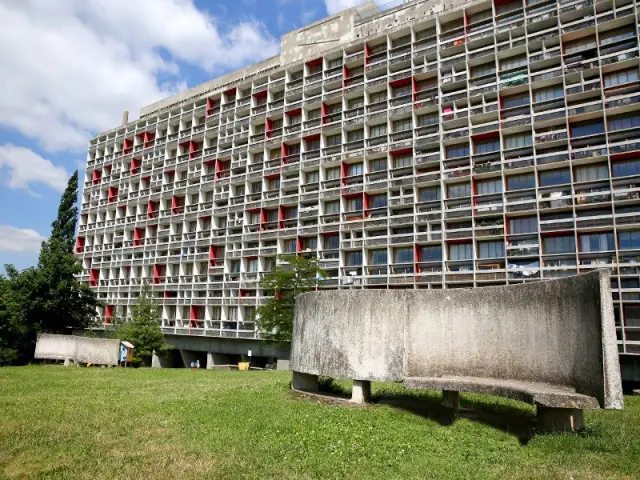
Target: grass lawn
(58, 422)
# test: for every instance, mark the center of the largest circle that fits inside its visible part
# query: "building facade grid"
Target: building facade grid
(496, 143)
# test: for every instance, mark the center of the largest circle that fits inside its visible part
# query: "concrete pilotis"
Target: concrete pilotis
(304, 382)
(361, 391)
(560, 419)
(217, 360)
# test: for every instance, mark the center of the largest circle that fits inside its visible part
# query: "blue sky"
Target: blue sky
(71, 67)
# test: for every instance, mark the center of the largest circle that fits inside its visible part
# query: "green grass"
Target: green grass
(58, 422)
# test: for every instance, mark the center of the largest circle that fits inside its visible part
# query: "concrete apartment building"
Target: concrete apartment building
(425, 144)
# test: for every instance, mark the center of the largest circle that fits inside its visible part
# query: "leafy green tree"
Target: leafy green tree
(60, 302)
(143, 329)
(293, 276)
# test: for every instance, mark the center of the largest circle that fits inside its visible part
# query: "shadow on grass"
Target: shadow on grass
(501, 414)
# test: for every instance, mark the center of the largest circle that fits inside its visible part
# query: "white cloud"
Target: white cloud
(19, 240)
(75, 65)
(27, 167)
(335, 6)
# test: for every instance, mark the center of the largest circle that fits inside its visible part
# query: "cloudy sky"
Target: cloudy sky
(71, 67)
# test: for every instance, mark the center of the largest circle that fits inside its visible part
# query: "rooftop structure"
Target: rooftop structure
(423, 145)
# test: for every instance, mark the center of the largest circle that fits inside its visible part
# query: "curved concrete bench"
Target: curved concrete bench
(551, 344)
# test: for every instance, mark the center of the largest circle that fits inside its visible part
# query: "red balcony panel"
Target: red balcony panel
(367, 53)
(135, 166)
(108, 313)
(96, 177)
(295, 111)
(79, 244)
(315, 62)
(152, 209)
(402, 151)
(112, 194)
(94, 276)
(138, 237)
(400, 83)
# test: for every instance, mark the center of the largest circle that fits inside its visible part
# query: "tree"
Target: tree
(293, 276)
(60, 302)
(143, 329)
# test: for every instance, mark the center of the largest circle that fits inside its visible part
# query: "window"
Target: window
(254, 218)
(523, 225)
(313, 177)
(459, 190)
(491, 249)
(276, 124)
(271, 215)
(310, 243)
(426, 84)
(295, 119)
(520, 182)
(626, 168)
(431, 254)
(403, 255)
(232, 314)
(563, 244)
(513, 62)
(462, 251)
(378, 257)
(555, 177)
(486, 187)
(629, 240)
(620, 78)
(579, 45)
(249, 314)
(517, 141)
(591, 173)
(333, 140)
(331, 208)
(378, 201)
(354, 204)
(290, 246)
(313, 145)
(487, 146)
(275, 154)
(592, 127)
(428, 119)
(401, 91)
(314, 114)
(335, 108)
(378, 97)
(457, 151)
(239, 190)
(378, 130)
(484, 69)
(356, 102)
(353, 259)
(333, 63)
(354, 169)
(431, 194)
(597, 242)
(515, 100)
(252, 265)
(293, 149)
(273, 183)
(332, 173)
(378, 165)
(290, 212)
(258, 129)
(403, 125)
(613, 36)
(402, 161)
(355, 135)
(234, 266)
(549, 93)
(256, 187)
(623, 122)
(332, 242)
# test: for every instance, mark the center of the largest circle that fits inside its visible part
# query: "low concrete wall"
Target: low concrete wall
(558, 332)
(101, 351)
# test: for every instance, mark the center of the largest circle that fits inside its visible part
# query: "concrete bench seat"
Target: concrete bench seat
(537, 394)
(551, 344)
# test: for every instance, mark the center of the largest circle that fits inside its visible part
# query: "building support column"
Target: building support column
(361, 391)
(160, 362)
(560, 419)
(304, 382)
(218, 361)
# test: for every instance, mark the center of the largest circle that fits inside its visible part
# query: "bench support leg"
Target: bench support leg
(361, 391)
(304, 382)
(451, 399)
(560, 419)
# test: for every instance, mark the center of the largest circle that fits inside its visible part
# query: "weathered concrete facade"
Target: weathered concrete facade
(100, 351)
(550, 343)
